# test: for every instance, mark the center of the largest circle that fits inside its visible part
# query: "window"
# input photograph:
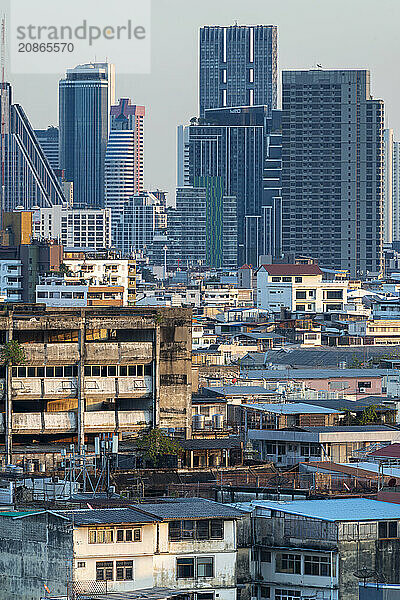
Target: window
(124, 570)
(205, 566)
(275, 279)
(287, 279)
(317, 565)
(205, 529)
(101, 536)
(129, 535)
(81, 564)
(265, 591)
(185, 568)
(188, 568)
(265, 556)
(298, 279)
(301, 295)
(288, 563)
(104, 571)
(387, 529)
(281, 594)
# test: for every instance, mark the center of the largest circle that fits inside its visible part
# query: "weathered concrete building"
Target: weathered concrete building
(36, 550)
(321, 548)
(182, 544)
(93, 370)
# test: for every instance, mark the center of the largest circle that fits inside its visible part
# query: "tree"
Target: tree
(12, 353)
(154, 445)
(369, 416)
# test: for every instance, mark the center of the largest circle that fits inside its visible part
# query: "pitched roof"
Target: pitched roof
(189, 508)
(292, 269)
(102, 516)
(212, 443)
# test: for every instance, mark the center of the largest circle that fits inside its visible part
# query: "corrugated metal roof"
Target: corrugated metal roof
(343, 509)
(319, 373)
(102, 516)
(292, 408)
(212, 444)
(189, 508)
(239, 390)
(285, 269)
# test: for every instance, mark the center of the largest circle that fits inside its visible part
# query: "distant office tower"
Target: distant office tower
(88, 229)
(272, 194)
(203, 226)
(388, 186)
(28, 177)
(124, 158)
(332, 169)
(238, 66)
(142, 217)
(48, 140)
(235, 143)
(396, 191)
(85, 98)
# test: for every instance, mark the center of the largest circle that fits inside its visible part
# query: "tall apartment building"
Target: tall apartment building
(28, 175)
(388, 186)
(142, 217)
(235, 144)
(124, 157)
(89, 229)
(49, 142)
(238, 66)
(85, 98)
(396, 191)
(203, 226)
(93, 370)
(332, 169)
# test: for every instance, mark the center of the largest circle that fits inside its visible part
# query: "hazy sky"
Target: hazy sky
(335, 33)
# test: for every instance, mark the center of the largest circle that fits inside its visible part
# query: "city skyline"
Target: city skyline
(303, 41)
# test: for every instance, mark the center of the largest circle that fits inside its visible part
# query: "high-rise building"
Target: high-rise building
(85, 98)
(28, 177)
(49, 142)
(202, 227)
(142, 217)
(332, 169)
(238, 66)
(388, 186)
(235, 144)
(396, 191)
(124, 158)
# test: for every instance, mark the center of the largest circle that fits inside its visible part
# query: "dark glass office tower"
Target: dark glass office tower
(234, 144)
(85, 98)
(238, 66)
(48, 140)
(332, 169)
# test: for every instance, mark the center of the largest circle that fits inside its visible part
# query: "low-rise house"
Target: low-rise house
(287, 447)
(321, 548)
(183, 544)
(282, 415)
(298, 288)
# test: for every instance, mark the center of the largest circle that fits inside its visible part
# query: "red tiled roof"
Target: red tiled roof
(292, 269)
(390, 451)
(246, 267)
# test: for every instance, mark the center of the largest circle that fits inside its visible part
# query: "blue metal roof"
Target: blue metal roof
(239, 390)
(293, 408)
(343, 509)
(318, 373)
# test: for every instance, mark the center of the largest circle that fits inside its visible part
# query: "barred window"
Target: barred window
(124, 570)
(101, 536)
(104, 571)
(204, 529)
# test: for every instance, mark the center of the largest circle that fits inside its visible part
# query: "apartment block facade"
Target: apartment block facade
(93, 370)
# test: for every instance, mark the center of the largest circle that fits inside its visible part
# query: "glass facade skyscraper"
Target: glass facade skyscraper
(85, 97)
(332, 169)
(234, 144)
(28, 177)
(238, 66)
(124, 158)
